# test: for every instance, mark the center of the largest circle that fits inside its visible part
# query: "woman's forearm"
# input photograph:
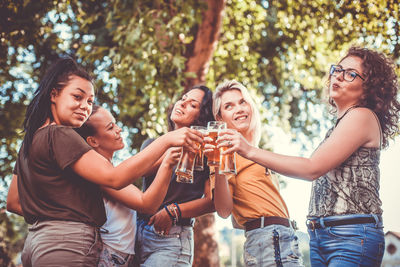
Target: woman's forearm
(222, 196)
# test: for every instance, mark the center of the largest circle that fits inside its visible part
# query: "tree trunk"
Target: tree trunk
(199, 54)
(205, 42)
(205, 245)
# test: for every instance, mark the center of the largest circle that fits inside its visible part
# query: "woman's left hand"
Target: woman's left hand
(234, 141)
(161, 221)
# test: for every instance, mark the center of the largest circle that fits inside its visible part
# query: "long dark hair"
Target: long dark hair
(39, 109)
(87, 129)
(379, 90)
(205, 115)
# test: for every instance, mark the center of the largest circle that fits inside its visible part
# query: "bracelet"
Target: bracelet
(179, 210)
(174, 210)
(170, 214)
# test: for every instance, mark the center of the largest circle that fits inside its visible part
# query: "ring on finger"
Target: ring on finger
(229, 143)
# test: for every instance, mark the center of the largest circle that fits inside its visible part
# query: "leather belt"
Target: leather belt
(182, 221)
(316, 224)
(266, 221)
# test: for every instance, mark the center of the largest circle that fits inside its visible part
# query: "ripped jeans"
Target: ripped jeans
(156, 250)
(111, 257)
(273, 245)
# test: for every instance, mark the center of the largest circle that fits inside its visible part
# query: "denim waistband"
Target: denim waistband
(321, 222)
(181, 222)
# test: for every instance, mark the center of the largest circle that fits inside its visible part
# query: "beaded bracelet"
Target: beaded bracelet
(179, 210)
(174, 211)
(170, 215)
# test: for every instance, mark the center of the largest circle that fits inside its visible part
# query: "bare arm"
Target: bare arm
(95, 168)
(13, 204)
(358, 128)
(222, 195)
(199, 206)
(163, 222)
(153, 169)
(149, 201)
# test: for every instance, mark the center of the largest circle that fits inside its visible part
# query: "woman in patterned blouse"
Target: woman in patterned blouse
(344, 220)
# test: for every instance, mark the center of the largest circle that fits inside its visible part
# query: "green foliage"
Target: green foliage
(138, 45)
(13, 231)
(282, 50)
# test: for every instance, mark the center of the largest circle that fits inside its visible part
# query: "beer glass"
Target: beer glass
(199, 159)
(227, 162)
(213, 127)
(184, 170)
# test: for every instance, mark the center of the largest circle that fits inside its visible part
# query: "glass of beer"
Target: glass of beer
(184, 170)
(213, 127)
(199, 159)
(227, 162)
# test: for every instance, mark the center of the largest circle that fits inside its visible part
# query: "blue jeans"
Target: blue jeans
(347, 245)
(273, 245)
(112, 257)
(154, 249)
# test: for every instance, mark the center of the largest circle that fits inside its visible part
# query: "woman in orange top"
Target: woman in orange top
(253, 194)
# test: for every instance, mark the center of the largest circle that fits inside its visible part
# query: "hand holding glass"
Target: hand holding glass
(184, 170)
(227, 161)
(199, 159)
(186, 164)
(213, 127)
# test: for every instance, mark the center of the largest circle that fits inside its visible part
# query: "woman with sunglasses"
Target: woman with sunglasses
(345, 214)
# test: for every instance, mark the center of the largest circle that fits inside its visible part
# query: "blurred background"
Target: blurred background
(145, 54)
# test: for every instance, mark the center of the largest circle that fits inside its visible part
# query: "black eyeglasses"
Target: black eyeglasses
(348, 75)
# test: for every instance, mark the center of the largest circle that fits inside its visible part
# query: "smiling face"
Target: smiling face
(107, 138)
(73, 104)
(187, 109)
(235, 111)
(345, 93)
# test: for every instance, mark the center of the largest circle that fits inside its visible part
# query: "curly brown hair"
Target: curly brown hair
(380, 89)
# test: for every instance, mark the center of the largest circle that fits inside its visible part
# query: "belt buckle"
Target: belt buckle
(311, 225)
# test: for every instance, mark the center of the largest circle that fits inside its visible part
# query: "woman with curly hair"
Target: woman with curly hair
(344, 219)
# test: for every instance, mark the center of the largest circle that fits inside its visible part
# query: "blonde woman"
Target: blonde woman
(252, 196)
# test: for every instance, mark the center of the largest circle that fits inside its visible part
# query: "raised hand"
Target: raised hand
(185, 137)
(234, 141)
(172, 156)
(208, 147)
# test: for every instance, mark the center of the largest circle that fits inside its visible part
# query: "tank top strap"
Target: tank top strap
(347, 111)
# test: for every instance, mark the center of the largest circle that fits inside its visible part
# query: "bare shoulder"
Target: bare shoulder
(360, 115)
(361, 123)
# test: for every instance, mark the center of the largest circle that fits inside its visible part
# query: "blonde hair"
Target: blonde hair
(255, 123)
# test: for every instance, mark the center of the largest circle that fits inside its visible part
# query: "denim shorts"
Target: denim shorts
(347, 245)
(61, 243)
(112, 257)
(273, 245)
(154, 249)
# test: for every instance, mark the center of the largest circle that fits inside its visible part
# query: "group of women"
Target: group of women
(82, 209)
